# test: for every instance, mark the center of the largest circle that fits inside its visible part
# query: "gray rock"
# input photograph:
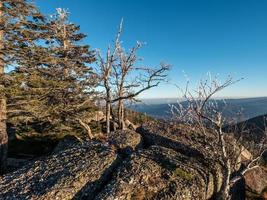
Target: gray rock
(175, 164)
(256, 179)
(67, 142)
(256, 183)
(190, 144)
(125, 141)
(70, 174)
(156, 173)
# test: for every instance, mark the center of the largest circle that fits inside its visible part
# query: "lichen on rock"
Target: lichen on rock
(125, 141)
(152, 174)
(73, 173)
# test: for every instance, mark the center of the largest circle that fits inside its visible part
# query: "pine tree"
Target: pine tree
(74, 79)
(18, 28)
(57, 81)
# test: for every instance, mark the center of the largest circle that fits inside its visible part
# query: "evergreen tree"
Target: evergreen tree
(19, 21)
(57, 81)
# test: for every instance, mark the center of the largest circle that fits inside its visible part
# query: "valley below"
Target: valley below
(236, 110)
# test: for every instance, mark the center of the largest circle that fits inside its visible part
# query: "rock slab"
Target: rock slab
(156, 173)
(74, 173)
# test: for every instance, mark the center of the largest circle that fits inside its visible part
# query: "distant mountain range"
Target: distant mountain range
(251, 133)
(248, 107)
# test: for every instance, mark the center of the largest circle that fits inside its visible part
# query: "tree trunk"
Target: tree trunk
(108, 110)
(121, 115)
(224, 193)
(87, 128)
(3, 132)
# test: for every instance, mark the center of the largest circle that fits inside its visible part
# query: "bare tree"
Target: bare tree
(123, 79)
(105, 70)
(202, 110)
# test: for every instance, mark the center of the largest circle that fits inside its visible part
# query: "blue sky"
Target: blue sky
(225, 37)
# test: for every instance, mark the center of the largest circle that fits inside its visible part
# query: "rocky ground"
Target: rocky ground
(154, 163)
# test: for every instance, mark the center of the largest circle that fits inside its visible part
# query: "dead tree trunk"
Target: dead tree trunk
(3, 132)
(225, 191)
(225, 188)
(108, 110)
(121, 115)
(87, 128)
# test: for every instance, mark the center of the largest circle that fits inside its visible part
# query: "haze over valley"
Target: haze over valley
(239, 109)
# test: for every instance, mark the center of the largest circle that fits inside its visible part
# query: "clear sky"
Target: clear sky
(226, 37)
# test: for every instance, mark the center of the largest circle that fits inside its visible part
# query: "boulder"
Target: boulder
(190, 144)
(156, 173)
(125, 141)
(67, 142)
(245, 155)
(75, 173)
(256, 179)
(256, 182)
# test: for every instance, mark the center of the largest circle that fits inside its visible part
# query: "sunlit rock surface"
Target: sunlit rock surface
(256, 179)
(73, 173)
(156, 173)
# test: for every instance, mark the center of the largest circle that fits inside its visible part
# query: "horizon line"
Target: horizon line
(230, 97)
